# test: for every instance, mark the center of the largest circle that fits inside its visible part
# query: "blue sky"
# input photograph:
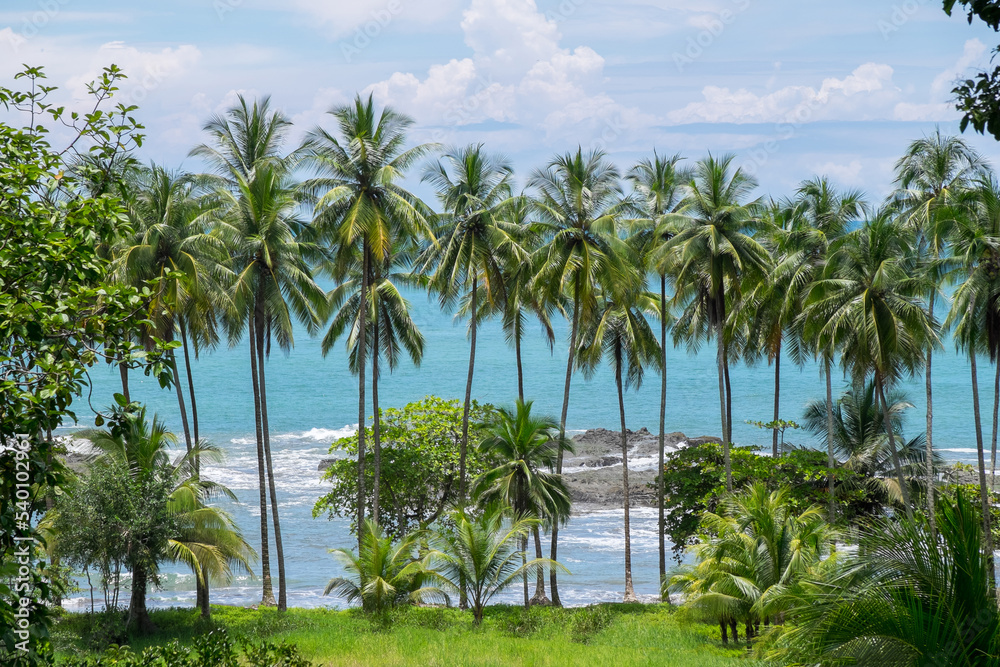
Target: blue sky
(794, 88)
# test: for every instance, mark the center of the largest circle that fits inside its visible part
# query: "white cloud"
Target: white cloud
(342, 18)
(845, 174)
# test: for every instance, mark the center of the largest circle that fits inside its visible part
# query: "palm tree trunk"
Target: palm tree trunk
(929, 451)
(880, 388)
(362, 343)
(520, 368)
(660, 521)
(629, 590)
(996, 424)
(265, 430)
(524, 561)
(474, 324)
(830, 463)
(720, 362)
(138, 615)
(180, 400)
(190, 379)
(574, 332)
(267, 596)
(984, 495)
(203, 595)
(539, 596)
(123, 371)
(376, 427)
(729, 393)
(777, 394)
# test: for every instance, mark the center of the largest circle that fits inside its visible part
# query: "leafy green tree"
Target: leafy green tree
(527, 448)
(579, 200)
(420, 458)
(474, 189)
(908, 597)
(384, 574)
(257, 221)
(480, 557)
(59, 313)
(659, 185)
(361, 210)
(712, 253)
(977, 98)
(620, 332)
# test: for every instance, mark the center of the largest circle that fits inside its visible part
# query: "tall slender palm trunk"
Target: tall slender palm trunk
(929, 430)
(720, 359)
(830, 463)
(524, 561)
(362, 348)
(278, 549)
(376, 426)
(539, 596)
(190, 379)
(887, 423)
(570, 358)
(996, 424)
(180, 400)
(629, 589)
(203, 595)
(984, 495)
(474, 324)
(660, 521)
(777, 394)
(517, 356)
(729, 392)
(267, 596)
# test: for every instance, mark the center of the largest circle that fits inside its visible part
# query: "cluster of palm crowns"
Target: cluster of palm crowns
(820, 275)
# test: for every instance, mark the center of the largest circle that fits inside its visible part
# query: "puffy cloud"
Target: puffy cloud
(845, 174)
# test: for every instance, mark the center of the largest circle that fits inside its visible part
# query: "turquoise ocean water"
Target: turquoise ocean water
(313, 400)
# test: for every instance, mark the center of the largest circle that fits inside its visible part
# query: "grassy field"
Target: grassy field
(600, 635)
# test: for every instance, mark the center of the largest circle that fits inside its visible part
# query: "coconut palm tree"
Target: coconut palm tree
(480, 558)
(391, 330)
(620, 333)
(384, 574)
(659, 185)
(476, 235)
(578, 200)
(257, 220)
(170, 244)
(361, 209)
(932, 172)
(712, 252)
(527, 448)
(869, 300)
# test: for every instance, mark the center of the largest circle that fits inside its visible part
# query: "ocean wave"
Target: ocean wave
(316, 434)
(960, 450)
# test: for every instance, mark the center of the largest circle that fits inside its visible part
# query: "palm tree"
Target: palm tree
(869, 300)
(755, 549)
(257, 221)
(660, 188)
(391, 330)
(823, 215)
(480, 559)
(527, 448)
(474, 189)
(860, 440)
(909, 597)
(712, 252)
(578, 198)
(931, 173)
(620, 332)
(384, 574)
(361, 210)
(170, 244)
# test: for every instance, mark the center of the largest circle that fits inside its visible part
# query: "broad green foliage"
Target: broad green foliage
(420, 462)
(695, 482)
(58, 314)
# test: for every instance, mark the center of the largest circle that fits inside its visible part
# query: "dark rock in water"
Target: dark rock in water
(324, 464)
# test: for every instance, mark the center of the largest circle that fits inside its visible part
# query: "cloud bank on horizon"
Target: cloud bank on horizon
(793, 89)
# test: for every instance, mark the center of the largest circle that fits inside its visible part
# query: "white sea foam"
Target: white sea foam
(317, 434)
(960, 450)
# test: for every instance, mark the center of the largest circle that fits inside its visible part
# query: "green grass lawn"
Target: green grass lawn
(613, 634)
